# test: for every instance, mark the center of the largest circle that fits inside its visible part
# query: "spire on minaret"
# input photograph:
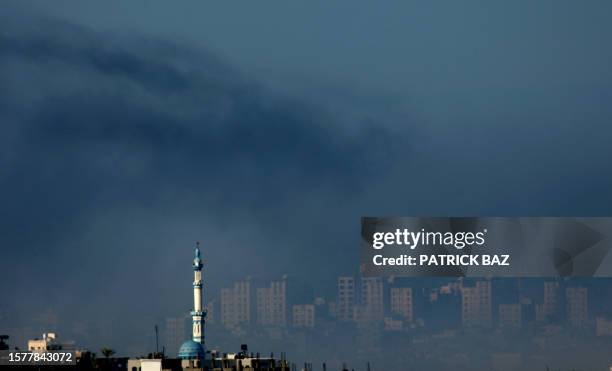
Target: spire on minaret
(197, 261)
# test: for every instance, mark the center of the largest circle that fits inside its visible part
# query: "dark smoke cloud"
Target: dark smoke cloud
(119, 152)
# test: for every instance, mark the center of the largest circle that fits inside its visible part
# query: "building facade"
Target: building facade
(510, 316)
(476, 305)
(272, 304)
(236, 304)
(346, 299)
(401, 302)
(577, 305)
(372, 299)
(303, 315)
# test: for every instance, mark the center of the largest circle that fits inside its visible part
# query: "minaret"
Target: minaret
(198, 314)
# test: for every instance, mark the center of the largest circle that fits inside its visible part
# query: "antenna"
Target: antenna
(156, 340)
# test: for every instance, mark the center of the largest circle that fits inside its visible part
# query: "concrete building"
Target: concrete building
(401, 302)
(303, 315)
(550, 307)
(48, 341)
(372, 298)
(539, 313)
(236, 304)
(510, 316)
(576, 299)
(144, 365)
(603, 326)
(476, 305)
(244, 360)
(211, 312)
(344, 307)
(272, 304)
(551, 297)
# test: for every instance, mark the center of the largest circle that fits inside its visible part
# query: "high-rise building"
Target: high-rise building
(346, 299)
(372, 298)
(401, 302)
(476, 305)
(603, 326)
(211, 312)
(539, 313)
(510, 316)
(549, 309)
(577, 305)
(236, 304)
(264, 306)
(551, 297)
(272, 304)
(303, 315)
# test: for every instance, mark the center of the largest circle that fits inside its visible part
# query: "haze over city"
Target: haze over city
(129, 132)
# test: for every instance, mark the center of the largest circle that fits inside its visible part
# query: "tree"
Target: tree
(107, 352)
(3, 345)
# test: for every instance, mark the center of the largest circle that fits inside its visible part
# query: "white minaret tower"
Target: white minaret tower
(198, 314)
